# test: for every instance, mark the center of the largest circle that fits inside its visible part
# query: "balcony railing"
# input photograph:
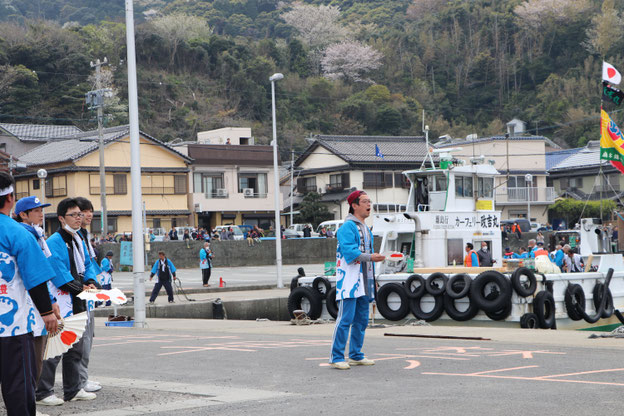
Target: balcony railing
(334, 187)
(524, 195)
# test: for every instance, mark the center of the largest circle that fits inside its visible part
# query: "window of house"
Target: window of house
(35, 184)
(485, 187)
(377, 180)
(401, 181)
(463, 186)
(21, 190)
(611, 182)
(338, 182)
(179, 184)
(520, 182)
(213, 186)
(116, 184)
(56, 186)
(255, 181)
(96, 225)
(305, 185)
(120, 184)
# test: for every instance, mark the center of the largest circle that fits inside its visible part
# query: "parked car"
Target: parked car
(332, 225)
(180, 231)
(238, 233)
(298, 229)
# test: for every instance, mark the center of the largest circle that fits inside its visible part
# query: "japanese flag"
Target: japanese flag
(610, 74)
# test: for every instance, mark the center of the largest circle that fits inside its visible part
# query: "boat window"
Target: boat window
(485, 187)
(437, 183)
(463, 186)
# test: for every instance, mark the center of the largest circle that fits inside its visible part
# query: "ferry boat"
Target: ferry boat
(449, 206)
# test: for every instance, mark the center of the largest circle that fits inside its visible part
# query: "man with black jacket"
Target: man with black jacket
(24, 273)
(164, 270)
(70, 258)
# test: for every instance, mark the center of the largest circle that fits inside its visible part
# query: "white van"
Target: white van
(298, 230)
(332, 225)
(238, 233)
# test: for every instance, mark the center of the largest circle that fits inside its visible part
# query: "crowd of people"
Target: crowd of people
(563, 255)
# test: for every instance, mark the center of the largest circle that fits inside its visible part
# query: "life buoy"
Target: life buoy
(458, 286)
(330, 303)
(436, 283)
(433, 314)
(529, 320)
(415, 286)
(521, 288)
(322, 286)
(544, 308)
(574, 296)
(450, 307)
(313, 297)
(382, 302)
(597, 292)
(483, 300)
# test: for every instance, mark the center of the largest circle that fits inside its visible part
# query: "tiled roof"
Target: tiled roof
(588, 156)
(78, 145)
(558, 156)
(38, 132)
(456, 142)
(358, 149)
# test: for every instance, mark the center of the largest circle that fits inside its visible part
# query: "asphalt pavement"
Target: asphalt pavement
(224, 367)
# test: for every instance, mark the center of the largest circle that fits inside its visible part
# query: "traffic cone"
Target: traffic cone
(221, 282)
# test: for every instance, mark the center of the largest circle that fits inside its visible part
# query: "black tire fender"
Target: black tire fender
(330, 303)
(484, 301)
(544, 308)
(461, 316)
(597, 292)
(432, 315)
(457, 280)
(382, 301)
(520, 289)
(500, 315)
(529, 320)
(322, 286)
(431, 285)
(574, 295)
(418, 291)
(313, 297)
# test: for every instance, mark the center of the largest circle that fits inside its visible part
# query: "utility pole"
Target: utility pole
(292, 178)
(99, 103)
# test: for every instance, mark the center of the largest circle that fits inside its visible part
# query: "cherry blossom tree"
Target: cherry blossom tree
(350, 60)
(539, 13)
(317, 26)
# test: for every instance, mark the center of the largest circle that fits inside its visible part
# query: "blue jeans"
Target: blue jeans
(352, 315)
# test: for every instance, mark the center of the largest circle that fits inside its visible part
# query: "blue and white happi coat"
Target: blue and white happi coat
(350, 282)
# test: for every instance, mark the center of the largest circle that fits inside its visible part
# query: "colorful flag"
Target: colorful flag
(612, 94)
(611, 142)
(610, 74)
(378, 152)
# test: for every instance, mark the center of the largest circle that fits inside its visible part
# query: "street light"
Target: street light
(278, 231)
(529, 180)
(43, 174)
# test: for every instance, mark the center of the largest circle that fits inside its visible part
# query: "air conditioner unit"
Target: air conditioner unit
(248, 192)
(222, 192)
(198, 207)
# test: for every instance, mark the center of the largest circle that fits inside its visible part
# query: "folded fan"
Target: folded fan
(69, 332)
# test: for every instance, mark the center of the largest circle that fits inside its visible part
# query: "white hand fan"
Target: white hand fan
(69, 332)
(393, 256)
(114, 295)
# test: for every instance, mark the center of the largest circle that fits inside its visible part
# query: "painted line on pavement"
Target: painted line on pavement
(583, 372)
(503, 369)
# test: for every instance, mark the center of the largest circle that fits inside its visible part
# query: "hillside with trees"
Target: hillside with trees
(351, 67)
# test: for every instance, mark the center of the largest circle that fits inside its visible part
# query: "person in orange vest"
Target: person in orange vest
(539, 250)
(471, 259)
(515, 228)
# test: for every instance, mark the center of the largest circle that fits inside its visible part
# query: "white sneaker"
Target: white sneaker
(92, 386)
(83, 395)
(50, 401)
(38, 413)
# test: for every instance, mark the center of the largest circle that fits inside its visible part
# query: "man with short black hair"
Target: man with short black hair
(164, 269)
(485, 256)
(86, 208)
(24, 272)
